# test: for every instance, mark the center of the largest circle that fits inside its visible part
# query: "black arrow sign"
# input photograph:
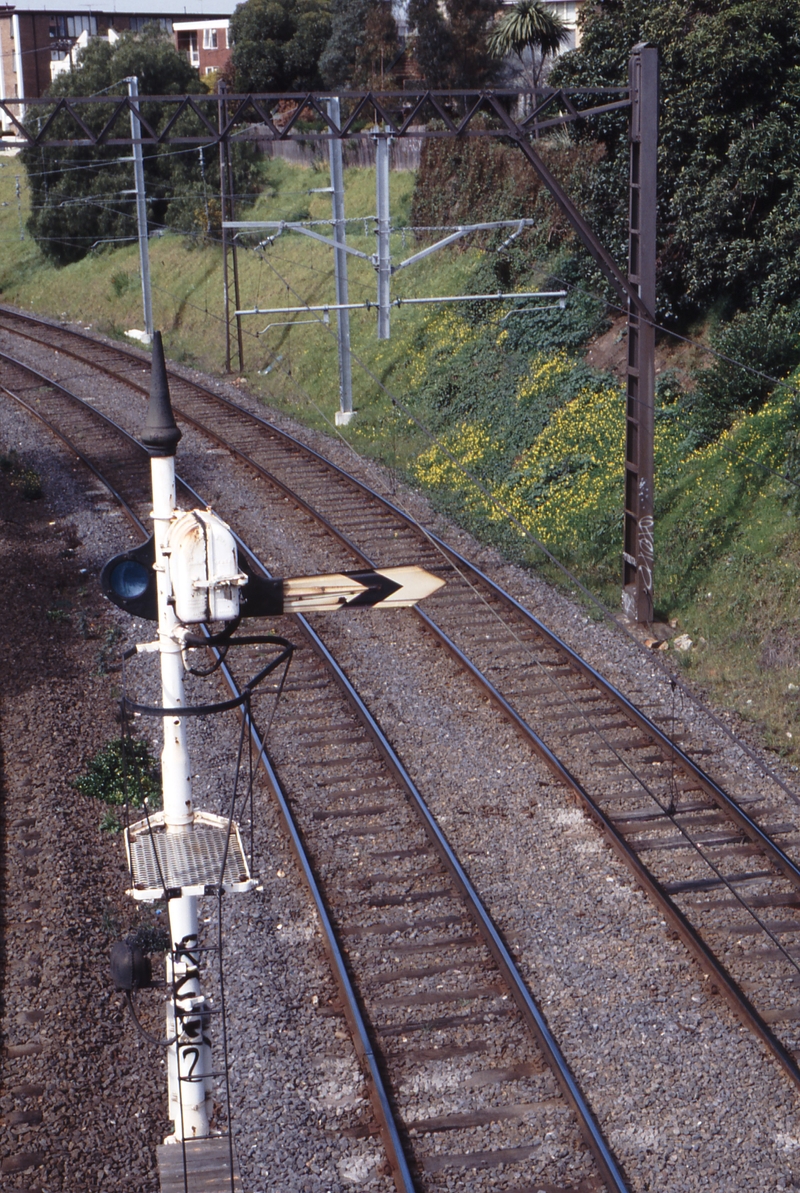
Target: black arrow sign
(130, 582)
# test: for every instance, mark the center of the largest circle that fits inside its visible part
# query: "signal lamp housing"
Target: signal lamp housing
(130, 966)
(203, 568)
(130, 582)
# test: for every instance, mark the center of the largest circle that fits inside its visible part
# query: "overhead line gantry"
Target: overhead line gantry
(220, 120)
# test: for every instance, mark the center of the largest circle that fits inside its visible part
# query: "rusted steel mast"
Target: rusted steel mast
(637, 582)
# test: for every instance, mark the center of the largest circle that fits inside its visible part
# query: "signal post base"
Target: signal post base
(207, 1167)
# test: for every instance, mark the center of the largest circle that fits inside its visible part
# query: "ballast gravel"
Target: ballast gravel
(83, 1096)
(686, 1096)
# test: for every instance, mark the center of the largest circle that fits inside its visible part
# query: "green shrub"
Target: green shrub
(124, 767)
(550, 330)
(766, 341)
(21, 476)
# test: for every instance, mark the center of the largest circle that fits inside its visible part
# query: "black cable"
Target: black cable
(143, 1030)
(221, 640)
(204, 672)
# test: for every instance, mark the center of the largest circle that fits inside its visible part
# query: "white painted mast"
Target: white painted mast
(188, 1059)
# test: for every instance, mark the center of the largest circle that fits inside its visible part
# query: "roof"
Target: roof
(214, 23)
(203, 9)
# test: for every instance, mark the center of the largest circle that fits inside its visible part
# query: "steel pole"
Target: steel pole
(141, 205)
(637, 580)
(384, 262)
(234, 252)
(223, 118)
(345, 412)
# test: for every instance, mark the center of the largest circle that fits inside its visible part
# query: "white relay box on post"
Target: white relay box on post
(204, 568)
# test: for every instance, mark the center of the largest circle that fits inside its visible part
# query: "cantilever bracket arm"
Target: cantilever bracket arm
(283, 225)
(464, 230)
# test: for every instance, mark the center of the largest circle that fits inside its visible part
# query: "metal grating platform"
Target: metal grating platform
(208, 1167)
(187, 860)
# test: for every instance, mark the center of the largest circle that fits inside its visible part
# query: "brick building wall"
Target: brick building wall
(205, 43)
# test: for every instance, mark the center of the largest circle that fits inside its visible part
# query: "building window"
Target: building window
(187, 44)
(137, 24)
(65, 31)
(209, 39)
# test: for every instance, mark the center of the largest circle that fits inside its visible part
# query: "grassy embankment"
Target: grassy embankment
(510, 398)
(104, 289)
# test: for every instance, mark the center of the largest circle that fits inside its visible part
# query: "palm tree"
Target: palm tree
(528, 25)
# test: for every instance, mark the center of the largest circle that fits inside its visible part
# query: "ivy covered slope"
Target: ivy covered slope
(529, 449)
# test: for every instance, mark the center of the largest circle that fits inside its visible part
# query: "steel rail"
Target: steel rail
(675, 917)
(65, 439)
(524, 1000)
(209, 432)
(378, 1093)
(679, 922)
(712, 789)
(717, 793)
(526, 1004)
(379, 1097)
(683, 927)
(720, 796)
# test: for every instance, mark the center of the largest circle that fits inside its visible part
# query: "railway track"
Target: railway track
(719, 866)
(426, 981)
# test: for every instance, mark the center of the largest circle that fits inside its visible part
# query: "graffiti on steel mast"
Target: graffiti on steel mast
(645, 550)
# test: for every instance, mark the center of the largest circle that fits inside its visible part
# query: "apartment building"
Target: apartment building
(40, 38)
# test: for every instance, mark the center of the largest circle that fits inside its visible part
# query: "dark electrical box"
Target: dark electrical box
(130, 967)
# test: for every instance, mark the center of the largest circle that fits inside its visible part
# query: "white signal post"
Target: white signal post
(188, 1059)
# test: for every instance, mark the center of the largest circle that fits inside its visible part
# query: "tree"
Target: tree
(450, 41)
(277, 44)
(78, 197)
(729, 157)
(528, 25)
(363, 46)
